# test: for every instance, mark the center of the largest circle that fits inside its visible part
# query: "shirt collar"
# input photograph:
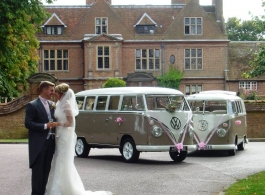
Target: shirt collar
(43, 100)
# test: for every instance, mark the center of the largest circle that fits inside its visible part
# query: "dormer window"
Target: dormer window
(146, 25)
(53, 30)
(193, 26)
(145, 29)
(53, 26)
(101, 25)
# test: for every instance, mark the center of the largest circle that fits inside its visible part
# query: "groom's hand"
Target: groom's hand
(50, 125)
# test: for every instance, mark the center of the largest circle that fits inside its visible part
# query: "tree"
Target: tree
(250, 30)
(257, 64)
(114, 82)
(20, 20)
(171, 79)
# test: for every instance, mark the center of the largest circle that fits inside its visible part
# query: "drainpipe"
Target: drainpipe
(40, 60)
(162, 59)
(226, 69)
(83, 64)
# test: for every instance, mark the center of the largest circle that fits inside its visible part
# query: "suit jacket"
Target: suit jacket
(36, 117)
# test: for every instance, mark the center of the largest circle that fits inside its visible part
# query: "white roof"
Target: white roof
(220, 91)
(212, 96)
(130, 90)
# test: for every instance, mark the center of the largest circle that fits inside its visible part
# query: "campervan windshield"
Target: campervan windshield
(208, 107)
(159, 102)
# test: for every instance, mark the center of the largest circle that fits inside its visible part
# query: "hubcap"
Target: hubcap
(79, 147)
(127, 150)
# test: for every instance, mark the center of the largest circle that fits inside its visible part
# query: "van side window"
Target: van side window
(89, 103)
(132, 103)
(101, 103)
(80, 102)
(114, 102)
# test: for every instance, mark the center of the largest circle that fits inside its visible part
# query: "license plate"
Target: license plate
(174, 149)
(207, 147)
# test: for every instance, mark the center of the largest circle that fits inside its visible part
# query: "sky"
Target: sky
(230, 6)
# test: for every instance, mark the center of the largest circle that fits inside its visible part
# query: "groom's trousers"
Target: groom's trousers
(41, 168)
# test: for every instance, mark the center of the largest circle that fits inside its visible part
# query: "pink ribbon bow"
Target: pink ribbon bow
(238, 122)
(119, 120)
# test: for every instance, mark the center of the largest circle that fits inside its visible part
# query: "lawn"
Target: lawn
(254, 184)
(14, 140)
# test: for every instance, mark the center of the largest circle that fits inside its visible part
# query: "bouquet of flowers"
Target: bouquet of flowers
(171, 107)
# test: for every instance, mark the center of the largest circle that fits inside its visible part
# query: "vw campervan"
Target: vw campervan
(219, 120)
(134, 120)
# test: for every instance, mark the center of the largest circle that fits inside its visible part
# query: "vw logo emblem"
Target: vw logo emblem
(175, 123)
(202, 125)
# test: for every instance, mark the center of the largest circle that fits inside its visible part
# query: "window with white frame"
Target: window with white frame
(193, 26)
(147, 59)
(248, 85)
(103, 57)
(193, 59)
(101, 25)
(55, 60)
(192, 89)
(53, 30)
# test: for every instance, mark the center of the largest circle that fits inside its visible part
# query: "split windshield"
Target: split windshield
(162, 102)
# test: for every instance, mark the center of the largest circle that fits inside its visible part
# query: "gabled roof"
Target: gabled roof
(145, 20)
(54, 20)
(101, 37)
(168, 19)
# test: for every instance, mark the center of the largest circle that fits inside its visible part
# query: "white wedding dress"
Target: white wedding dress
(64, 178)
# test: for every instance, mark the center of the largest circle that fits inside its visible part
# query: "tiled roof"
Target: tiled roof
(80, 20)
(240, 54)
(146, 20)
(54, 20)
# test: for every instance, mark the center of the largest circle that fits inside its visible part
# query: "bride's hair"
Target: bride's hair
(62, 88)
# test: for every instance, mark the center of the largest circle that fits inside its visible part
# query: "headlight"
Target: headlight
(191, 130)
(221, 132)
(157, 131)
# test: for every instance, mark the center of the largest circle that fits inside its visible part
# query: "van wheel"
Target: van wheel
(178, 156)
(241, 146)
(129, 152)
(232, 152)
(81, 148)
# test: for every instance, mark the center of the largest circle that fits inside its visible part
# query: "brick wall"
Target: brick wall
(12, 125)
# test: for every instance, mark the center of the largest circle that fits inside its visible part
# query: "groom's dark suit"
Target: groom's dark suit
(41, 149)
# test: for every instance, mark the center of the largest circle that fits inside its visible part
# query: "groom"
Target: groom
(41, 144)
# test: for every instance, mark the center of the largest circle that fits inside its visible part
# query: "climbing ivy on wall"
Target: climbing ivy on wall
(171, 79)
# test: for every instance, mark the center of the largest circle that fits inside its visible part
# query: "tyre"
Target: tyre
(241, 146)
(178, 156)
(232, 152)
(81, 148)
(129, 152)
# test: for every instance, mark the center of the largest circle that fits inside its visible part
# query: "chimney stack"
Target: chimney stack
(173, 2)
(218, 9)
(89, 2)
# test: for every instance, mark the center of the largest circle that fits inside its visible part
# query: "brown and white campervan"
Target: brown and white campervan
(219, 119)
(134, 120)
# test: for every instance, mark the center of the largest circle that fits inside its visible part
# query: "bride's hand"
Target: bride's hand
(56, 124)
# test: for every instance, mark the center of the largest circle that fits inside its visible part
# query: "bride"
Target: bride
(64, 178)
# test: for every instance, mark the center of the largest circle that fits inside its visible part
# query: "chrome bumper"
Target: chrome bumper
(145, 148)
